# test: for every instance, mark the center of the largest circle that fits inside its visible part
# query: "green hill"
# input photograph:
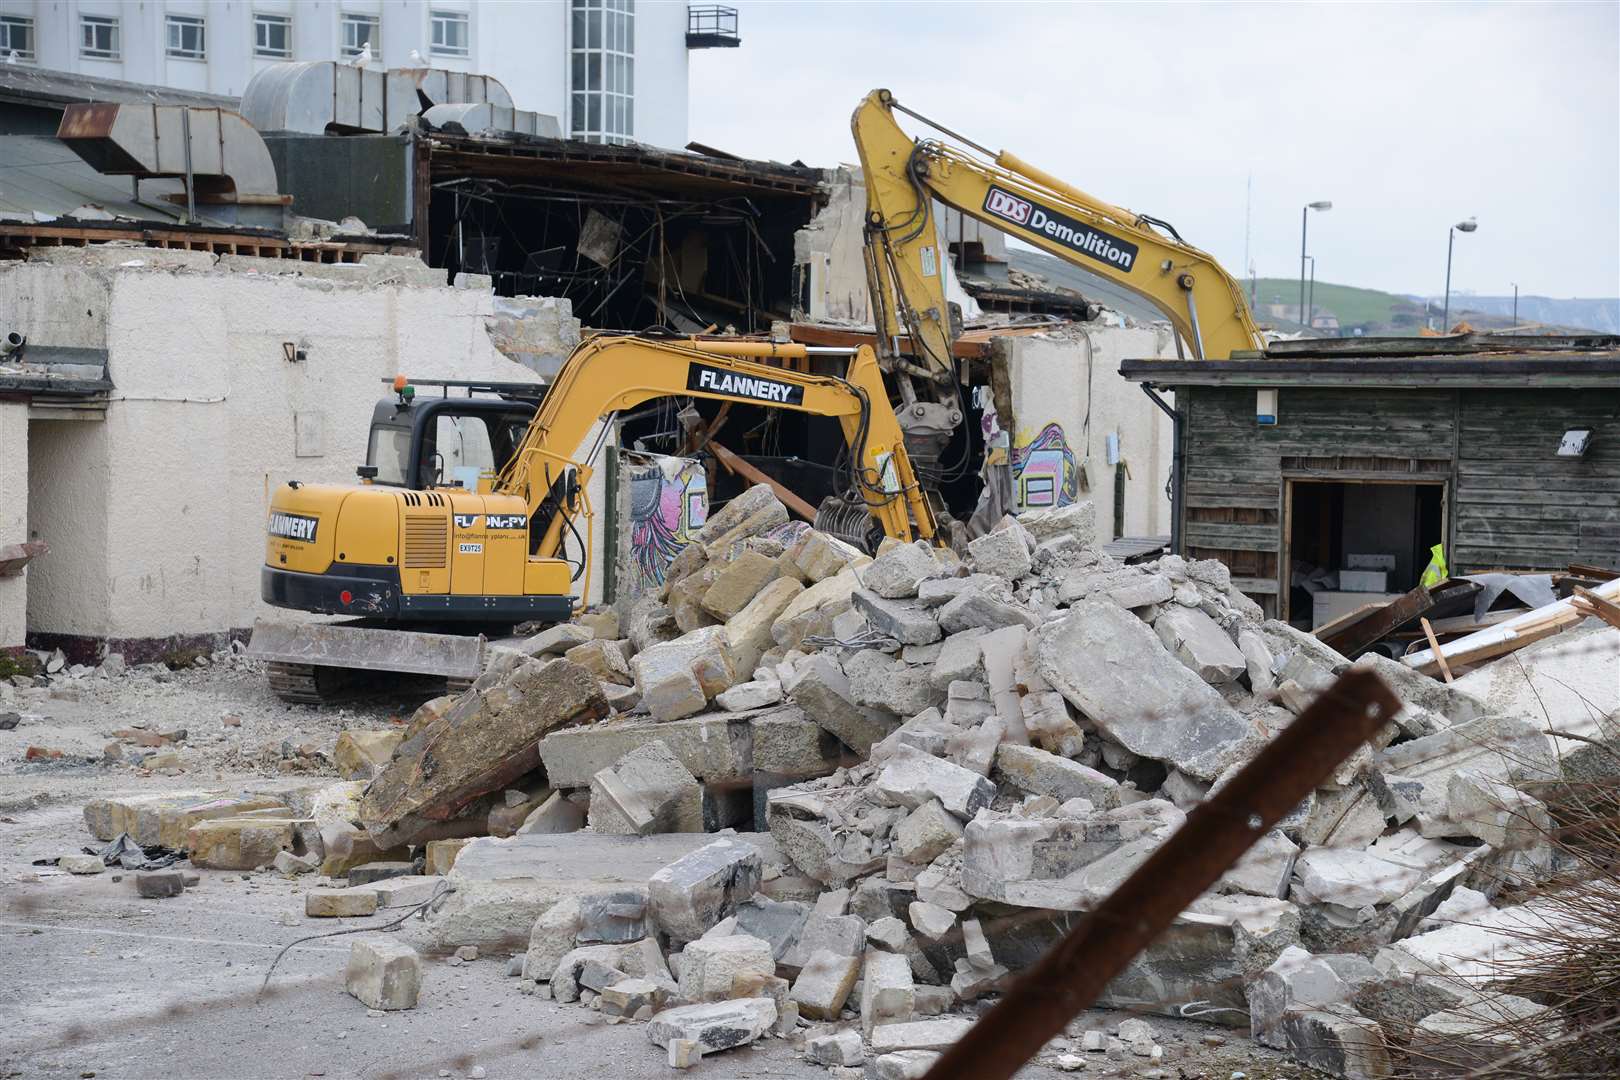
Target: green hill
(1367, 308)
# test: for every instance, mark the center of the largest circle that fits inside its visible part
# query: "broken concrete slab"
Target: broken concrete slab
(1003, 553)
(673, 675)
(1198, 642)
(1037, 772)
(484, 742)
(894, 686)
(911, 778)
(714, 1027)
(556, 640)
(749, 696)
(820, 687)
(907, 621)
(839, 1048)
(241, 843)
(1298, 981)
(709, 965)
(904, 1065)
(361, 755)
(926, 833)
(1338, 1042)
(604, 659)
(749, 631)
(712, 747)
(887, 990)
(646, 791)
(738, 583)
(896, 573)
(823, 985)
(919, 1035)
(558, 814)
(1411, 780)
(1111, 667)
(703, 886)
(1349, 878)
(974, 608)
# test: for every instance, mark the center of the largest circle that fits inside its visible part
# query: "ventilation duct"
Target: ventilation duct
(322, 96)
(472, 119)
(216, 152)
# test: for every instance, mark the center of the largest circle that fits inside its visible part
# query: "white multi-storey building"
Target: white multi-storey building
(609, 70)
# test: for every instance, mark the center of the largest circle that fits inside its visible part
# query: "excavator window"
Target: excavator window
(445, 442)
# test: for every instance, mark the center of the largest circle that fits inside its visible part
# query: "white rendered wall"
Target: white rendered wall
(1049, 383)
(156, 515)
(13, 516)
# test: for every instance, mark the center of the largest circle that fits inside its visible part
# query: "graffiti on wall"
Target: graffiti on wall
(669, 502)
(1044, 470)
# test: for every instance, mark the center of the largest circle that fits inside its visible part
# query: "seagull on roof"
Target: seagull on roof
(12, 57)
(363, 57)
(418, 59)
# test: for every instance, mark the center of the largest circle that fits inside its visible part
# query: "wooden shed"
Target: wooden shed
(1335, 466)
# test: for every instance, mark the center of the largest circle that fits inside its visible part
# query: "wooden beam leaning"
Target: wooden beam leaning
(1073, 973)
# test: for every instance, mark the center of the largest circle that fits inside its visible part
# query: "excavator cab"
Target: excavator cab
(442, 442)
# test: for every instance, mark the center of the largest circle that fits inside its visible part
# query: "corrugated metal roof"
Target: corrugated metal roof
(42, 180)
(31, 85)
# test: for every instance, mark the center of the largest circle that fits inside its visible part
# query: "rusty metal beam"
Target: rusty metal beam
(1072, 975)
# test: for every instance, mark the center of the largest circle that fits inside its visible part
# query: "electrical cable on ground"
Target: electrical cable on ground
(444, 888)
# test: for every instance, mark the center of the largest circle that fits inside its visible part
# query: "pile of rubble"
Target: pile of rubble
(906, 756)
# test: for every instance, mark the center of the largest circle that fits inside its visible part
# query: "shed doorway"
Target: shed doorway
(1350, 543)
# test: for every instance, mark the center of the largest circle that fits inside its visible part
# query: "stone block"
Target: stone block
(604, 659)
(754, 511)
(344, 847)
(159, 884)
(896, 573)
(911, 778)
(931, 920)
(710, 965)
(978, 609)
(1037, 772)
(440, 855)
(361, 755)
(819, 556)
(806, 609)
(1112, 668)
(840, 1048)
(406, 891)
(556, 640)
(1077, 520)
(891, 685)
(385, 975)
(712, 747)
(714, 1027)
(701, 658)
(1298, 981)
(486, 740)
(638, 960)
(927, 731)
(1340, 1043)
(904, 1065)
(907, 621)
(844, 935)
(1263, 870)
(379, 871)
(694, 892)
(627, 997)
(1004, 553)
(926, 833)
(919, 1035)
(738, 583)
(240, 843)
(81, 864)
(646, 791)
(821, 689)
(351, 903)
(614, 917)
(554, 936)
(1198, 642)
(823, 985)
(776, 921)
(887, 990)
(749, 696)
(960, 658)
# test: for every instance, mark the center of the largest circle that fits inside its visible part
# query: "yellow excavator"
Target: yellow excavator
(906, 267)
(466, 507)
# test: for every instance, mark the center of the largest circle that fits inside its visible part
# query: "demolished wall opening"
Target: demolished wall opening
(1355, 542)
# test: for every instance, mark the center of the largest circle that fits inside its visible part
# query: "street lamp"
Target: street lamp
(1515, 305)
(1310, 295)
(1451, 238)
(1304, 220)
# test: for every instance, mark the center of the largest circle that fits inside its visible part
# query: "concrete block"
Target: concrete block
(406, 891)
(384, 975)
(558, 814)
(1004, 553)
(907, 621)
(931, 920)
(240, 843)
(712, 747)
(556, 640)
(904, 1065)
(554, 936)
(709, 965)
(844, 935)
(1198, 642)
(714, 1027)
(919, 1035)
(638, 960)
(628, 996)
(1077, 520)
(604, 659)
(896, 573)
(694, 892)
(1037, 772)
(975, 608)
(748, 696)
(379, 871)
(440, 855)
(351, 903)
(749, 514)
(887, 990)
(1340, 1043)
(927, 832)
(821, 689)
(840, 1048)
(911, 778)
(159, 884)
(891, 685)
(701, 657)
(824, 984)
(646, 791)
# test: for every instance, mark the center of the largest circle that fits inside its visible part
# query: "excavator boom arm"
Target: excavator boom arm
(609, 374)
(905, 266)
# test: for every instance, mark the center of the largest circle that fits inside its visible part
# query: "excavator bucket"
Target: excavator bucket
(311, 662)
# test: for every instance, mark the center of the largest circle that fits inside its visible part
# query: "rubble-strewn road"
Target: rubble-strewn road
(87, 952)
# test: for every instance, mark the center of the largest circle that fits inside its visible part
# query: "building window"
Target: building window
(449, 33)
(360, 30)
(186, 37)
(16, 36)
(603, 47)
(98, 37)
(272, 36)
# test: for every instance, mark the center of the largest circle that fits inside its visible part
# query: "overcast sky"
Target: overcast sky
(1409, 117)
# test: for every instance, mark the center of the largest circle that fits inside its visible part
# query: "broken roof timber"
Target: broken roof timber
(532, 156)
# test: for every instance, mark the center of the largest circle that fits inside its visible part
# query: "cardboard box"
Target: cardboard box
(1364, 581)
(1369, 562)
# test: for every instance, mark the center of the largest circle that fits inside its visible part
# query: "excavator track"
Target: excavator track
(297, 683)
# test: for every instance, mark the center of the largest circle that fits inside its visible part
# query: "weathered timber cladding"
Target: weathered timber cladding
(1519, 505)
(1510, 501)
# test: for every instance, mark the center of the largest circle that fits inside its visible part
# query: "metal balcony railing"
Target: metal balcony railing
(711, 26)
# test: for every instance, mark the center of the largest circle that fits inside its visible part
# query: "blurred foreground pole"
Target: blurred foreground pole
(1072, 975)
